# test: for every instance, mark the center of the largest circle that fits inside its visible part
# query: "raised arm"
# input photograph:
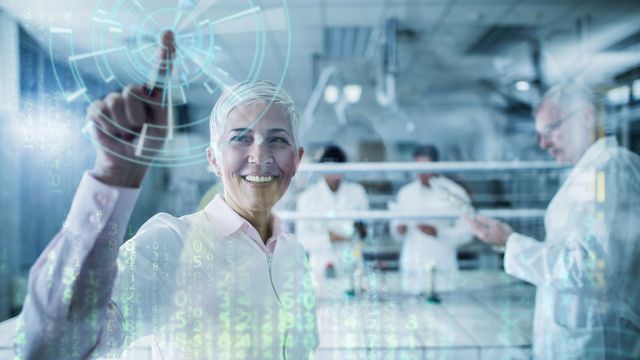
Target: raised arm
(68, 313)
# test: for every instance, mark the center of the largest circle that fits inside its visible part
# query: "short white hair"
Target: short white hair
(569, 97)
(247, 93)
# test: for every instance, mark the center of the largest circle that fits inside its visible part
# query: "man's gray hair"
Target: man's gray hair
(570, 97)
(247, 93)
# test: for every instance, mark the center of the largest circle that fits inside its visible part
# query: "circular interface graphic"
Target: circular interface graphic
(218, 43)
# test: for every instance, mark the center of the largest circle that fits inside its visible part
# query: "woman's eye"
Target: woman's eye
(240, 138)
(278, 140)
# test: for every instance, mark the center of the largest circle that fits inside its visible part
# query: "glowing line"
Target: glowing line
(115, 29)
(152, 79)
(223, 72)
(76, 94)
(56, 30)
(109, 79)
(203, 22)
(106, 21)
(215, 78)
(209, 89)
(275, 20)
(220, 83)
(235, 16)
(140, 144)
(102, 12)
(170, 114)
(142, 48)
(136, 3)
(175, 23)
(95, 53)
(184, 66)
(201, 52)
(199, 10)
(184, 96)
(169, 88)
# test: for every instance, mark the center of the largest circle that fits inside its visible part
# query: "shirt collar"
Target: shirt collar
(227, 222)
(595, 151)
(327, 190)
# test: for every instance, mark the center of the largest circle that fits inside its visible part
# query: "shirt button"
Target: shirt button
(93, 218)
(102, 199)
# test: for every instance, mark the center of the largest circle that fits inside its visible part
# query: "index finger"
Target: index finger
(166, 53)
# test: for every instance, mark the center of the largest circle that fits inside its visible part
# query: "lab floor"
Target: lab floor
(481, 315)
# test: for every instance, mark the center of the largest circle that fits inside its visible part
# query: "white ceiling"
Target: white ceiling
(433, 64)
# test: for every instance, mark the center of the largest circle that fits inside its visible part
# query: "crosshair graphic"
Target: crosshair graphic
(124, 43)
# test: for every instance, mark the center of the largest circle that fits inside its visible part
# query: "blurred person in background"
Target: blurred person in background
(329, 242)
(587, 271)
(429, 242)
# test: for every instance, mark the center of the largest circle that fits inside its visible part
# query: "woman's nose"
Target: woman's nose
(259, 153)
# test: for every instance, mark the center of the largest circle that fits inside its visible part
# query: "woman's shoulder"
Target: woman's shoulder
(291, 243)
(166, 228)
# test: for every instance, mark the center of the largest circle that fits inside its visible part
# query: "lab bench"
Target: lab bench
(481, 315)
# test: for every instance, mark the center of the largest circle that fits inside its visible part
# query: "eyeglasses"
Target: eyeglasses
(548, 130)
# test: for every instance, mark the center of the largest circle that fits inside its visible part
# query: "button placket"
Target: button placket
(102, 198)
(96, 219)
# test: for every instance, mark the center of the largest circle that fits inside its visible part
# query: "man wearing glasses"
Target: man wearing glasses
(587, 271)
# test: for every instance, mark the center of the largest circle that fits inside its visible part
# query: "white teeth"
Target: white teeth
(258, 179)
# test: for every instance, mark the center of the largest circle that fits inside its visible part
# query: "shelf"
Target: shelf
(434, 167)
(407, 215)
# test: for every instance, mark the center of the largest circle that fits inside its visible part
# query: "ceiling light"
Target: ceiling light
(523, 85)
(331, 94)
(410, 127)
(619, 95)
(352, 93)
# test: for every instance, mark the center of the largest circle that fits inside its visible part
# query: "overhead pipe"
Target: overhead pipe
(387, 69)
(328, 73)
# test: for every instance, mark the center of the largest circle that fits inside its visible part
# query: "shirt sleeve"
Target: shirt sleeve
(68, 313)
(402, 204)
(525, 258)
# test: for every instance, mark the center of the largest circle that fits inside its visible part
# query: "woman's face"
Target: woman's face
(256, 160)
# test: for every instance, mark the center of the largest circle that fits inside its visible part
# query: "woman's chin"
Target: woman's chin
(261, 202)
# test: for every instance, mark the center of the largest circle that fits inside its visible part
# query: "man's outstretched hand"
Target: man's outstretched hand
(489, 230)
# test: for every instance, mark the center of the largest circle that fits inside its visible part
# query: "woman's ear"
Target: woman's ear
(299, 154)
(213, 161)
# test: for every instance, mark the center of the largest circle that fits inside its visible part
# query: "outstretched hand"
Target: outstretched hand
(488, 230)
(130, 127)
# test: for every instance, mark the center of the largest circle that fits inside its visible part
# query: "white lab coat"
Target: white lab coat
(419, 250)
(587, 271)
(314, 235)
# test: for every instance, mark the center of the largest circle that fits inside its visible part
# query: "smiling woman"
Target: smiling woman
(225, 282)
(254, 149)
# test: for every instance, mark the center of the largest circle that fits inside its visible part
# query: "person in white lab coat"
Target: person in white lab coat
(227, 282)
(429, 242)
(329, 242)
(587, 271)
